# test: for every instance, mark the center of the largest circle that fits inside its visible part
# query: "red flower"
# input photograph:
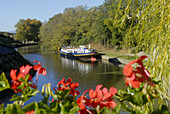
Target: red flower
(52, 100)
(39, 69)
(136, 76)
(73, 86)
(98, 97)
(62, 85)
(30, 112)
(81, 101)
(24, 70)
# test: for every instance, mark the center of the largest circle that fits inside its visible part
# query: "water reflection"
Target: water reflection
(77, 65)
(87, 74)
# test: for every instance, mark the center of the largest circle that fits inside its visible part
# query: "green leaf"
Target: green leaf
(164, 110)
(62, 108)
(1, 108)
(135, 96)
(137, 112)
(140, 99)
(61, 94)
(16, 97)
(125, 107)
(4, 84)
(14, 109)
(40, 109)
(74, 110)
(29, 107)
(26, 96)
(27, 77)
(21, 79)
(106, 110)
(117, 108)
(37, 110)
(29, 94)
(54, 107)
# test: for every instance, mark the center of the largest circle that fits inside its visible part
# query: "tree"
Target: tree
(28, 30)
(101, 33)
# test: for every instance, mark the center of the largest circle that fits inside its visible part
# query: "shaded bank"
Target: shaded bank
(10, 59)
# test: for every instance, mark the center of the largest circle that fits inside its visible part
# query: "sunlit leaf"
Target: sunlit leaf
(3, 82)
(14, 109)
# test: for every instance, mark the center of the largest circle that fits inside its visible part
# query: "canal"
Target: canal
(88, 75)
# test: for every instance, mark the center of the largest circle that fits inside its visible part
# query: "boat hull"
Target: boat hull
(80, 55)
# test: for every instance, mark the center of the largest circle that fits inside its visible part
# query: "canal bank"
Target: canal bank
(121, 59)
(118, 57)
(11, 59)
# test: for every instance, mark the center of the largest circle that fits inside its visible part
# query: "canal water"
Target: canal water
(88, 75)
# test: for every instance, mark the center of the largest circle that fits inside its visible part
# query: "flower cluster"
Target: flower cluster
(98, 97)
(138, 75)
(23, 72)
(62, 85)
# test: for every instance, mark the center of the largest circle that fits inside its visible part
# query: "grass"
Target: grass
(112, 52)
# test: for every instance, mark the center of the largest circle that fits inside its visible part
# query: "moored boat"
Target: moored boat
(81, 53)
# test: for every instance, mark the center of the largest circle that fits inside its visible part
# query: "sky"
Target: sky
(13, 10)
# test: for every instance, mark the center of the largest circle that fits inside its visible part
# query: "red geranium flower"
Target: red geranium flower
(136, 76)
(24, 70)
(98, 97)
(30, 112)
(62, 85)
(39, 69)
(73, 86)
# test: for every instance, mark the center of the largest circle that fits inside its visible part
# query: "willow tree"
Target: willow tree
(149, 29)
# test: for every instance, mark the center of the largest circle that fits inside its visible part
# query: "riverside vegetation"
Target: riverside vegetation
(139, 24)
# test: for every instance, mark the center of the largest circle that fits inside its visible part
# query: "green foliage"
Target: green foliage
(105, 24)
(139, 24)
(25, 96)
(136, 97)
(3, 82)
(116, 110)
(28, 30)
(149, 32)
(73, 27)
(13, 109)
(8, 41)
(163, 110)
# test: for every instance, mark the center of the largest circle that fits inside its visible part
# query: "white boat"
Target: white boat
(81, 53)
